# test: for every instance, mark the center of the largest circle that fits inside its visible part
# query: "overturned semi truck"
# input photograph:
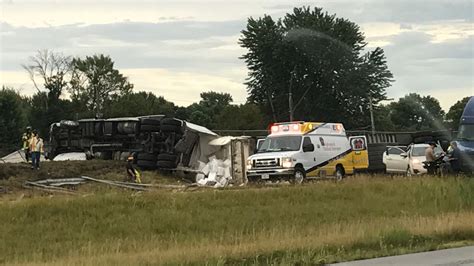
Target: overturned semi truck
(156, 142)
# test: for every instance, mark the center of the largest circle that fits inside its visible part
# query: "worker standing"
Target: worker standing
(36, 149)
(430, 158)
(25, 138)
(132, 173)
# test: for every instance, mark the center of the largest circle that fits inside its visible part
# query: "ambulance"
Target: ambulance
(296, 151)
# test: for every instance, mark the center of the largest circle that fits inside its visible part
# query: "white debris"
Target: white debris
(71, 156)
(216, 173)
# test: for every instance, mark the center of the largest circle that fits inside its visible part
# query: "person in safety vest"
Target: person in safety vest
(36, 149)
(25, 138)
(132, 173)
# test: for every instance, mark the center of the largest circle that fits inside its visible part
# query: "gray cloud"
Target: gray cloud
(417, 62)
(167, 44)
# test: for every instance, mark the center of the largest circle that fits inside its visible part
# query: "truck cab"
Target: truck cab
(465, 137)
(295, 151)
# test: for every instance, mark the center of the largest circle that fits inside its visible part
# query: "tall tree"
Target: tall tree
(53, 70)
(240, 117)
(414, 112)
(138, 104)
(12, 119)
(320, 59)
(95, 82)
(455, 112)
(205, 112)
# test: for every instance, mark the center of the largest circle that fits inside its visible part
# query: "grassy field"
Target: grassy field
(317, 223)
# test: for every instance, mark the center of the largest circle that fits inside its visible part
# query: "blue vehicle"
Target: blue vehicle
(465, 138)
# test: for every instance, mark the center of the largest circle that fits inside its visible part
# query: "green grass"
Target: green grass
(316, 223)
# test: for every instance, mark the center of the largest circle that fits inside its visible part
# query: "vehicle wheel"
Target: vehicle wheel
(171, 122)
(146, 165)
(339, 172)
(167, 157)
(143, 156)
(149, 128)
(299, 176)
(171, 128)
(408, 173)
(166, 164)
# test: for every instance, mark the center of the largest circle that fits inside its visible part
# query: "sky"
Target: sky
(178, 49)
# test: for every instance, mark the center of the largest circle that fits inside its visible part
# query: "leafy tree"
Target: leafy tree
(414, 112)
(240, 117)
(455, 112)
(53, 69)
(138, 104)
(12, 119)
(382, 118)
(95, 83)
(41, 117)
(320, 58)
(50, 73)
(205, 112)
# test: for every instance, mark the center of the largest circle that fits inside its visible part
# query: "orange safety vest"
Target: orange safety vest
(36, 144)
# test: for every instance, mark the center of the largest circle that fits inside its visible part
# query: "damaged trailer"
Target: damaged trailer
(156, 142)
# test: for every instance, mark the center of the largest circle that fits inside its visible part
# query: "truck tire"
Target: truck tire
(149, 128)
(166, 164)
(127, 128)
(167, 157)
(171, 128)
(146, 165)
(143, 156)
(171, 122)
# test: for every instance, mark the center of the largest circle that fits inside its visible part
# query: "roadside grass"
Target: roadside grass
(12, 176)
(321, 222)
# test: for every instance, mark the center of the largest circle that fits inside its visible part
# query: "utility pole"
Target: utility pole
(290, 101)
(290, 94)
(372, 124)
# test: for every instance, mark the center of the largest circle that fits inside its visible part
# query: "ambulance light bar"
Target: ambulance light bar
(285, 128)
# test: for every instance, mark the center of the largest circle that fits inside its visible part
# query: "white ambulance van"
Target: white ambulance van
(296, 151)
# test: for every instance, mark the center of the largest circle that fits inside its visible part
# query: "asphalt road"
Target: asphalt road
(447, 257)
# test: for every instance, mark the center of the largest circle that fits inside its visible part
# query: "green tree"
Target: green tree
(41, 117)
(321, 59)
(95, 83)
(13, 119)
(205, 112)
(50, 73)
(455, 112)
(414, 112)
(53, 70)
(240, 117)
(138, 104)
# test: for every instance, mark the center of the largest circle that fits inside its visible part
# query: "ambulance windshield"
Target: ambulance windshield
(281, 143)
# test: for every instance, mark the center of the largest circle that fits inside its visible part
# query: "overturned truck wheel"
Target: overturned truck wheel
(167, 161)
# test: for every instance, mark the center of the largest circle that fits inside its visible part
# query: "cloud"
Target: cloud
(180, 48)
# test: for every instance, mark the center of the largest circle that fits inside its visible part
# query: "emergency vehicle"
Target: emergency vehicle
(299, 150)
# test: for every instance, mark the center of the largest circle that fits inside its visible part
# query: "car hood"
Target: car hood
(277, 154)
(419, 158)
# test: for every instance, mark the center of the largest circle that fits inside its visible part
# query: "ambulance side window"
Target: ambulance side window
(307, 145)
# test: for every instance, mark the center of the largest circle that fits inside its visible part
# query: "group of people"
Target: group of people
(33, 147)
(452, 157)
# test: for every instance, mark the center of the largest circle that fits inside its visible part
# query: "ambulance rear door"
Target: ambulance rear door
(360, 155)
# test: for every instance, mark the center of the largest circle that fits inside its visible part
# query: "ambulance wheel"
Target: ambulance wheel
(299, 176)
(339, 172)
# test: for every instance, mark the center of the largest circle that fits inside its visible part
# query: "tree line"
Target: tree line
(309, 64)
